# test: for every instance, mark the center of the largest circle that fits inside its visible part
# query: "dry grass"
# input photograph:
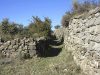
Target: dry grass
(62, 64)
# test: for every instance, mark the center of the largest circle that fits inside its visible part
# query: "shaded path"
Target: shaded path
(58, 62)
(54, 49)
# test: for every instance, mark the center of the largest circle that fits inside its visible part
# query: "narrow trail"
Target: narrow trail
(59, 63)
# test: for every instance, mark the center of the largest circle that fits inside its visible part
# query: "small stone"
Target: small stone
(25, 48)
(97, 14)
(97, 21)
(15, 47)
(32, 53)
(13, 42)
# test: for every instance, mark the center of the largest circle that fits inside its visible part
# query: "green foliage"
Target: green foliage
(78, 8)
(12, 29)
(39, 27)
(8, 30)
(57, 26)
(5, 26)
(75, 5)
(83, 7)
(6, 37)
(66, 18)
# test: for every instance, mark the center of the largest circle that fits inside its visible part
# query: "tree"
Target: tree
(57, 26)
(78, 8)
(47, 26)
(20, 28)
(75, 5)
(12, 29)
(42, 28)
(65, 19)
(5, 25)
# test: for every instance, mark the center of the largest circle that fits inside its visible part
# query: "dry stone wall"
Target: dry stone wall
(23, 48)
(82, 37)
(59, 33)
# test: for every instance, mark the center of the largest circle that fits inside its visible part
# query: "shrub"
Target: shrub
(11, 30)
(78, 8)
(57, 26)
(42, 28)
(37, 28)
(66, 19)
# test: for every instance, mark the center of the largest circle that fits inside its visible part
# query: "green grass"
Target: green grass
(62, 64)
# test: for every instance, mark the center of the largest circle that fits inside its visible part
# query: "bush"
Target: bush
(78, 8)
(66, 18)
(37, 28)
(6, 37)
(10, 30)
(57, 26)
(42, 28)
(83, 7)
